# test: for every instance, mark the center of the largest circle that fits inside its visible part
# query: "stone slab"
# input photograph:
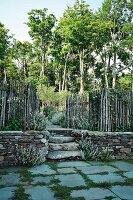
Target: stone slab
(6, 193)
(110, 178)
(92, 194)
(41, 179)
(123, 166)
(72, 146)
(10, 169)
(73, 164)
(128, 174)
(97, 163)
(124, 192)
(72, 180)
(66, 170)
(40, 193)
(57, 155)
(42, 169)
(10, 179)
(61, 139)
(97, 169)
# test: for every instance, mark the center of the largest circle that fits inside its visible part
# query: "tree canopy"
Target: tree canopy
(83, 51)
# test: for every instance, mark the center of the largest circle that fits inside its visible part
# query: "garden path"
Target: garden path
(68, 181)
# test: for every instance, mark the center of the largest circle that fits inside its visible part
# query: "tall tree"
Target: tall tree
(120, 13)
(4, 50)
(41, 27)
(22, 52)
(74, 28)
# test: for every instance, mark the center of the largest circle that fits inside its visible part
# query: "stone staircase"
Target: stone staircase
(63, 146)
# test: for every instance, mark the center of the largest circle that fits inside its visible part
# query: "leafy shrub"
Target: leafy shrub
(38, 122)
(81, 122)
(89, 150)
(30, 155)
(12, 125)
(106, 155)
(58, 118)
(49, 111)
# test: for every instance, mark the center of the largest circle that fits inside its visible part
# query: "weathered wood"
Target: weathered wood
(107, 110)
(17, 102)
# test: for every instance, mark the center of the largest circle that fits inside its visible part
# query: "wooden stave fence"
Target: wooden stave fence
(17, 101)
(105, 112)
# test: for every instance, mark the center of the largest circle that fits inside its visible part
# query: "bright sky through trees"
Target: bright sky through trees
(13, 13)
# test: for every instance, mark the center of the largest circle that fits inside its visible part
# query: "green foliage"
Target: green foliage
(58, 118)
(124, 82)
(47, 94)
(105, 155)
(13, 125)
(38, 122)
(30, 155)
(49, 111)
(52, 99)
(89, 150)
(81, 122)
(20, 194)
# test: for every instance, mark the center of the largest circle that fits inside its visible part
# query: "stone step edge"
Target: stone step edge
(63, 155)
(71, 146)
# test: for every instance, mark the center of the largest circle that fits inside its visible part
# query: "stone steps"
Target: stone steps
(62, 145)
(72, 146)
(58, 155)
(61, 139)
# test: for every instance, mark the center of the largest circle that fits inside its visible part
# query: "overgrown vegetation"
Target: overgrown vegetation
(84, 51)
(30, 155)
(38, 122)
(90, 151)
(20, 194)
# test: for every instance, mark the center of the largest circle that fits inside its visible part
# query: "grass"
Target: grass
(25, 175)
(62, 192)
(109, 198)
(20, 194)
(4, 173)
(2, 186)
(52, 165)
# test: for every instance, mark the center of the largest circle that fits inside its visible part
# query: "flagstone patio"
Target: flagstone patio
(69, 180)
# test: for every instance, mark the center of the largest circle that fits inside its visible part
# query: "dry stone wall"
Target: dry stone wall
(120, 143)
(10, 140)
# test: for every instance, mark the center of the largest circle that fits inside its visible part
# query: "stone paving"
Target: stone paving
(69, 180)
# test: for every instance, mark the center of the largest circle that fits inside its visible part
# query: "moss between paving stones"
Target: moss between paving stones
(91, 184)
(64, 192)
(109, 198)
(52, 165)
(61, 192)
(2, 186)
(3, 173)
(20, 194)
(25, 175)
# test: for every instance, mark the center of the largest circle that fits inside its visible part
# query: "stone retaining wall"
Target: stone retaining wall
(120, 143)
(9, 140)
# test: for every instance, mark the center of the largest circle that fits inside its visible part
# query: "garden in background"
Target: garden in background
(66, 105)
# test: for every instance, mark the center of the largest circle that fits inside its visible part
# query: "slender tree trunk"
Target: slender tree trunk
(131, 93)
(106, 72)
(131, 74)
(114, 73)
(42, 58)
(64, 76)
(81, 57)
(5, 75)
